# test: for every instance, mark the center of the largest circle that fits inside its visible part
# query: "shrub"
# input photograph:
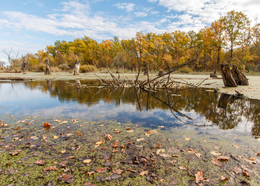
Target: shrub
(64, 67)
(39, 67)
(87, 68)
(185, 69)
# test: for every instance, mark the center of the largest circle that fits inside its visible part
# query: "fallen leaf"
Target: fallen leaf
(223, 178)
(44, 138)
(215, 153)
(150, 132)
(130, 131)
(237, 170)
(72, 157)
(158, 145)
(64, 122)
(108, 137)
(144, 173)
(40, 162)
(216, 162)
(46, 125)
(198, 155)
(223, 158)
(66, 178)
(175, 156)
(118, 171)
(17, 128)
(34, 137)
(79, 133)
(128, 128)
(55, 137)
(62, 151)
(114, 144)
(236, 146)
(258, 154)
(51, 168)
(245, 173)
(86, 161)
(90, 173)
(182, 168)
(187, 138)
(100, 142)
(140, 139)
(199, 176)
(251, 160)
(16, 152)
(191, 150)
(101, 170)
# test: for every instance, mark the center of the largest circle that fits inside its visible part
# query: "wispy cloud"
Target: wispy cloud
(129, 7)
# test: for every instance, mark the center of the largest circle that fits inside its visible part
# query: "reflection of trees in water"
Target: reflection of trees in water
(225, 111)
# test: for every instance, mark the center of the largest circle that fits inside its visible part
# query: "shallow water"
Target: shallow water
(196, 109)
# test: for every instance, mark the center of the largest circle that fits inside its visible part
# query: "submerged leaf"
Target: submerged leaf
(118, 171)
(51, 168)
(150, 132)
(114, 144)
(237, 170)
(108, 137)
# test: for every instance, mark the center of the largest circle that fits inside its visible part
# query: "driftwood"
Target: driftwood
(232, 77)
(48, 68)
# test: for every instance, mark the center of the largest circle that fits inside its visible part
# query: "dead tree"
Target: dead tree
(48, 68)
(232, 77)
(24, 64)
(77, 65)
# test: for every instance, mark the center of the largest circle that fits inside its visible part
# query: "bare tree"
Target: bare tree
(11, 55)
(48, 68)
(77, 65)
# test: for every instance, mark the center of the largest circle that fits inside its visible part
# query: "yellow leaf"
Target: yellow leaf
(55, 137)
(86, 161)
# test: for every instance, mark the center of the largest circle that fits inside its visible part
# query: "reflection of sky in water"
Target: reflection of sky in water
(18, 100)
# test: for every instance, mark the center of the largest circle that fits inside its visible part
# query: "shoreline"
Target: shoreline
(251, 91)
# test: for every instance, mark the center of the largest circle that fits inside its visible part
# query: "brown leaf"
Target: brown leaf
(245, 173)
(128, 128)
(17, 128)
(198, 155)
(191, 150)
(66, 177)
(101, 170)
(16, 152)
(158, 145)
(51, 168)
(237, 170)
(258, 154)
(90, 173)
(100, 142)
(72, 157)
(40, 162)
(108, 137)
(144, 173)
(118, 171)
(223, 178)
(150, 132)
(114, 144)
(44, 138)
(199, 176)
(251, 160)
(215, 153)
(223, 158)
(46, 125)
(64, 122)
(216, 162)
(79, 133)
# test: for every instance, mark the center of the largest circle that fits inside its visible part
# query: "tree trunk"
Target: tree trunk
(76, 66)
(232, 76)
(48, 68)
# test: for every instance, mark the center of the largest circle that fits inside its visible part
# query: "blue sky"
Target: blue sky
(30, 25)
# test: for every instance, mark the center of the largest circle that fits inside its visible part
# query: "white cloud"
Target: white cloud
(152, 1)
(141, 14)
(129, 7)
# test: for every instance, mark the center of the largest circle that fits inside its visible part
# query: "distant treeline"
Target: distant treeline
(231, 39)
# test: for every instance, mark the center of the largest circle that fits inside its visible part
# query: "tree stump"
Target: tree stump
(48, 68)
(232, 77)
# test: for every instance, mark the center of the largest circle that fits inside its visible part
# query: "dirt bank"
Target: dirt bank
(252, 91)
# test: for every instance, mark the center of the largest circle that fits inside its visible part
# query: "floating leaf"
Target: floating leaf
(223, 158)
(86, 161)
(216, 162)
(108, 137)
(215, 153)
(199, 176)
(40, 162)
(144, 173)
(46, 125)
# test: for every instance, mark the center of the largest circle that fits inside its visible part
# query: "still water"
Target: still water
(196, 109)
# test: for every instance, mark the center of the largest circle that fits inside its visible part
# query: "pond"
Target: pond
(195, 109)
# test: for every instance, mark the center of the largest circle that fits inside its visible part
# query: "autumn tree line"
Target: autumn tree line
(231, 40)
